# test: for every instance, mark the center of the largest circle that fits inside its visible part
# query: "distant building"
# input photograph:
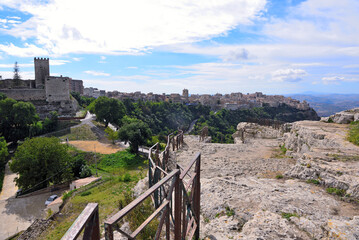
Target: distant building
(76, 86)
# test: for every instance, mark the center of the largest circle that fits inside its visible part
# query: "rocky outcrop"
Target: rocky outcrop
(242, 199)
(246, 130)
(35, 229)
(324, 156)
(343, 117)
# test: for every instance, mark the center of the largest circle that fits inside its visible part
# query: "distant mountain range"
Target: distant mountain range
(328, 104)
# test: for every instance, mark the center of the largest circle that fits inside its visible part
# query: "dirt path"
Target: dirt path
(96, 146)
(9, 187)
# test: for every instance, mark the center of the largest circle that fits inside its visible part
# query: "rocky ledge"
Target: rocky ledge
(324, 156)
(244, 196)
(343, 117)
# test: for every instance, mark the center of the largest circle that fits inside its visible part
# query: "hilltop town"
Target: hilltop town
(232, 101)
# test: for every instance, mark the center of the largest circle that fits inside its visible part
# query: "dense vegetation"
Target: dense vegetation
(222, 124)
(164, 117)
(19, 120)
(82, 100)
(354, 133)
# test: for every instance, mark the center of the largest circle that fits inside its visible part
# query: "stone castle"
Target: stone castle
(47, 93)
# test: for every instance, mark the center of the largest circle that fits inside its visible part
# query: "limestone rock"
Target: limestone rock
(253, 130)
(324, 155)
(268, 225)
(343, 229)
(344, 117)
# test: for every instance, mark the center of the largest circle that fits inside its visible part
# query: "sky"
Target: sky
(206, 46)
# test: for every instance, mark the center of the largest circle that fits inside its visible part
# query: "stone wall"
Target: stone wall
(57, 89)
(16, 84)
(25, 94)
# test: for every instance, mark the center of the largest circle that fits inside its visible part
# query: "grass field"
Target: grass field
(120, 172)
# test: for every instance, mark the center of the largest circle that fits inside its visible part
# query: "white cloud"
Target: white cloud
(58, 62)
(14, 17)
(24, 75)
(29, 50)
(103, 58)
(76, 59)
(288, 75)
(60, 28)
(132, 67)
(96, 73)
(315, 21)
(332, 80)
(351, 66)
(11, 65)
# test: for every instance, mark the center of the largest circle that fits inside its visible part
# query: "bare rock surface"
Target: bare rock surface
(248, 130)
(242, 199)
(324, 155)
(344, 117)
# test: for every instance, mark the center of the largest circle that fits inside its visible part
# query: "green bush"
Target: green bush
(314, 181)
(279, 176)
(229, 212)
(125, 178)
(336, 191)
(289, 215)
(283, 149)
(85, 194)
(68, 194)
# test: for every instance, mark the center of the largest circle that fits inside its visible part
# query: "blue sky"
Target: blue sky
(277, 47)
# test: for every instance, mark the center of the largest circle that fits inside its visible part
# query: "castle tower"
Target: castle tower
(185, 94)
(42, 71)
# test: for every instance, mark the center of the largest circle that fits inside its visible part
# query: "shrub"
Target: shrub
(229, 212)
(125, 178)
(283, 149)
(68, 194)
(336, 191)
(314, 181)
(85, 194)
(279, 176)
(85, 171)
(289, 215)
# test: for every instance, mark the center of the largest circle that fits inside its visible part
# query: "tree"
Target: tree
(136, 132)
(16, 119)
(109, 110)
(111, 134)
(2, 96)
(3, 152)
(41, 161)
(16, 72)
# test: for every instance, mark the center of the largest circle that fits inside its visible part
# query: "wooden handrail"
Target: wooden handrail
(89, 220)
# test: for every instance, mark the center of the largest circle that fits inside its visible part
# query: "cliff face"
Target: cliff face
(286, 113)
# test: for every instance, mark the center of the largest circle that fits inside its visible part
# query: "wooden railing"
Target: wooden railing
(183, 217)
(186, 209)
(88, 220)
(158, 164)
